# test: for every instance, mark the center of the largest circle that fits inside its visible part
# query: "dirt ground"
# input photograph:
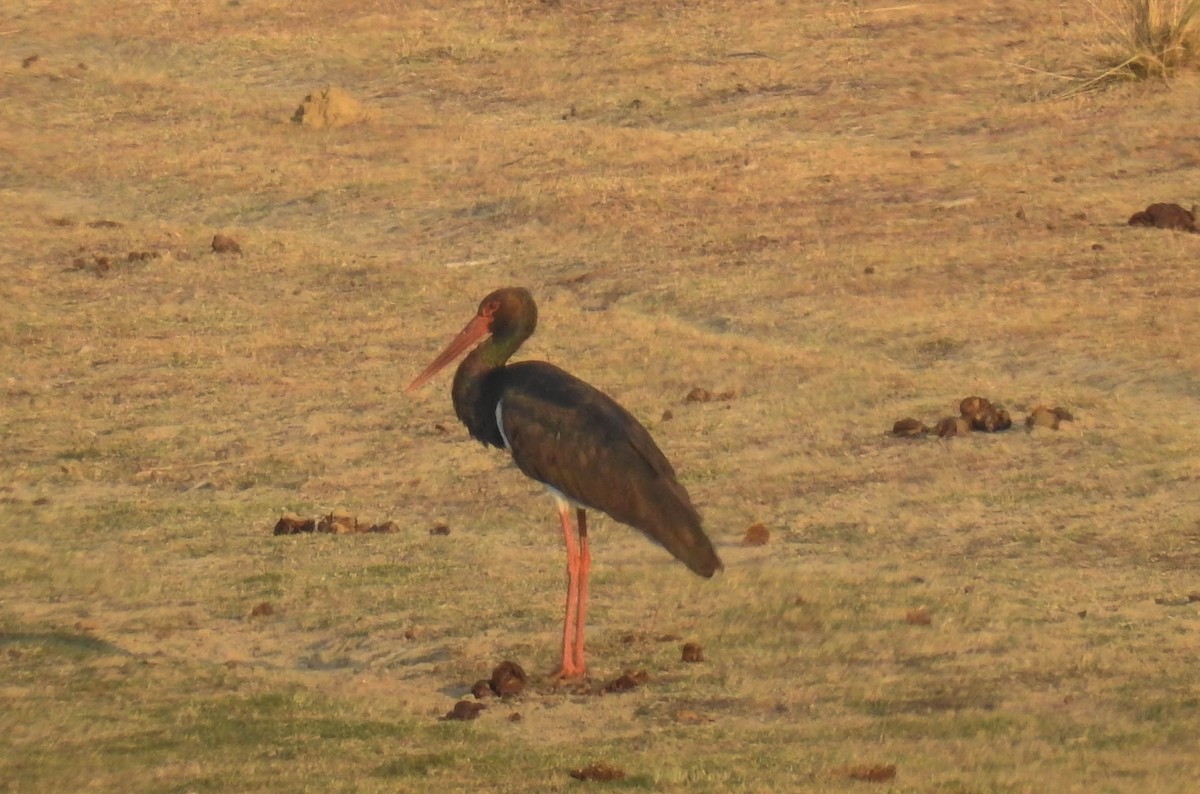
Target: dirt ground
(831, 216)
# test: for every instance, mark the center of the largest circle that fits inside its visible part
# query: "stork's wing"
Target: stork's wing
(579, 441)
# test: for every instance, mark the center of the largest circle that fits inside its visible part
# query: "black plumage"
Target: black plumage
(573, 438)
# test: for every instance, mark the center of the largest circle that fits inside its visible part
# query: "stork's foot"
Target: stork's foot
(569, 673)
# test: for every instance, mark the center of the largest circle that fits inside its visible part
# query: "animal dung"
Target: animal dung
(261, 610)
(992, 420)
(294, 525)
(464, 710)
(508, 679)
(333, 524)
(918, 617)
(951, 426)
(702, 395)
(756, 535)
(909, 428)
(875, 773)
(100, 264)
(692, 653)
(1047, 417)
(339, 524)
(1168, 601)
(439, 529)
(222, 244)
(626, 682)
(598, 771)
(691, 717)
(977, 414)
(1165, 216)
(970, 407)
(482, 689)
(329, 107)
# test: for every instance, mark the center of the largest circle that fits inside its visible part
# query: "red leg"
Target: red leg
(569, 669)
(585, 566)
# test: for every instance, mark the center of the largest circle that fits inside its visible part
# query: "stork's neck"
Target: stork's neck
(473, 403)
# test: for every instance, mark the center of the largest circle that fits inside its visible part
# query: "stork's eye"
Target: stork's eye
(490, 308)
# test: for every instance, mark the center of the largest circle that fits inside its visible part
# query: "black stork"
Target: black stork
(574, 439)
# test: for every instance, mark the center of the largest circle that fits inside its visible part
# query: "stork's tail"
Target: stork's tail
(673, 522)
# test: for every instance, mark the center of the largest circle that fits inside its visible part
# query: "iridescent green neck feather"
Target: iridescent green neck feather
(513, 320)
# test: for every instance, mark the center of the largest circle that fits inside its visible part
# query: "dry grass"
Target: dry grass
(1147, 39)
(845, 213)
(1160, 36)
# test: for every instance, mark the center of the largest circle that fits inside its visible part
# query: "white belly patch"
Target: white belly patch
(500, 424)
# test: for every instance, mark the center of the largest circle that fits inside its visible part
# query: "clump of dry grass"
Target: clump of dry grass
(1159, 37)
(1153, 39)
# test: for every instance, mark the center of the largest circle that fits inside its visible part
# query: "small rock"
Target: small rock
(439, 529)
(693, 653)
(515, 717)
(30, 60)
(482, 689)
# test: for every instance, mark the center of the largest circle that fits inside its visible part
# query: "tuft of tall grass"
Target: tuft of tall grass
(1159, 37)
(1153, 39)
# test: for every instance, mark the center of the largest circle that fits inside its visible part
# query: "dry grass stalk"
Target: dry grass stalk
(1152, 39)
